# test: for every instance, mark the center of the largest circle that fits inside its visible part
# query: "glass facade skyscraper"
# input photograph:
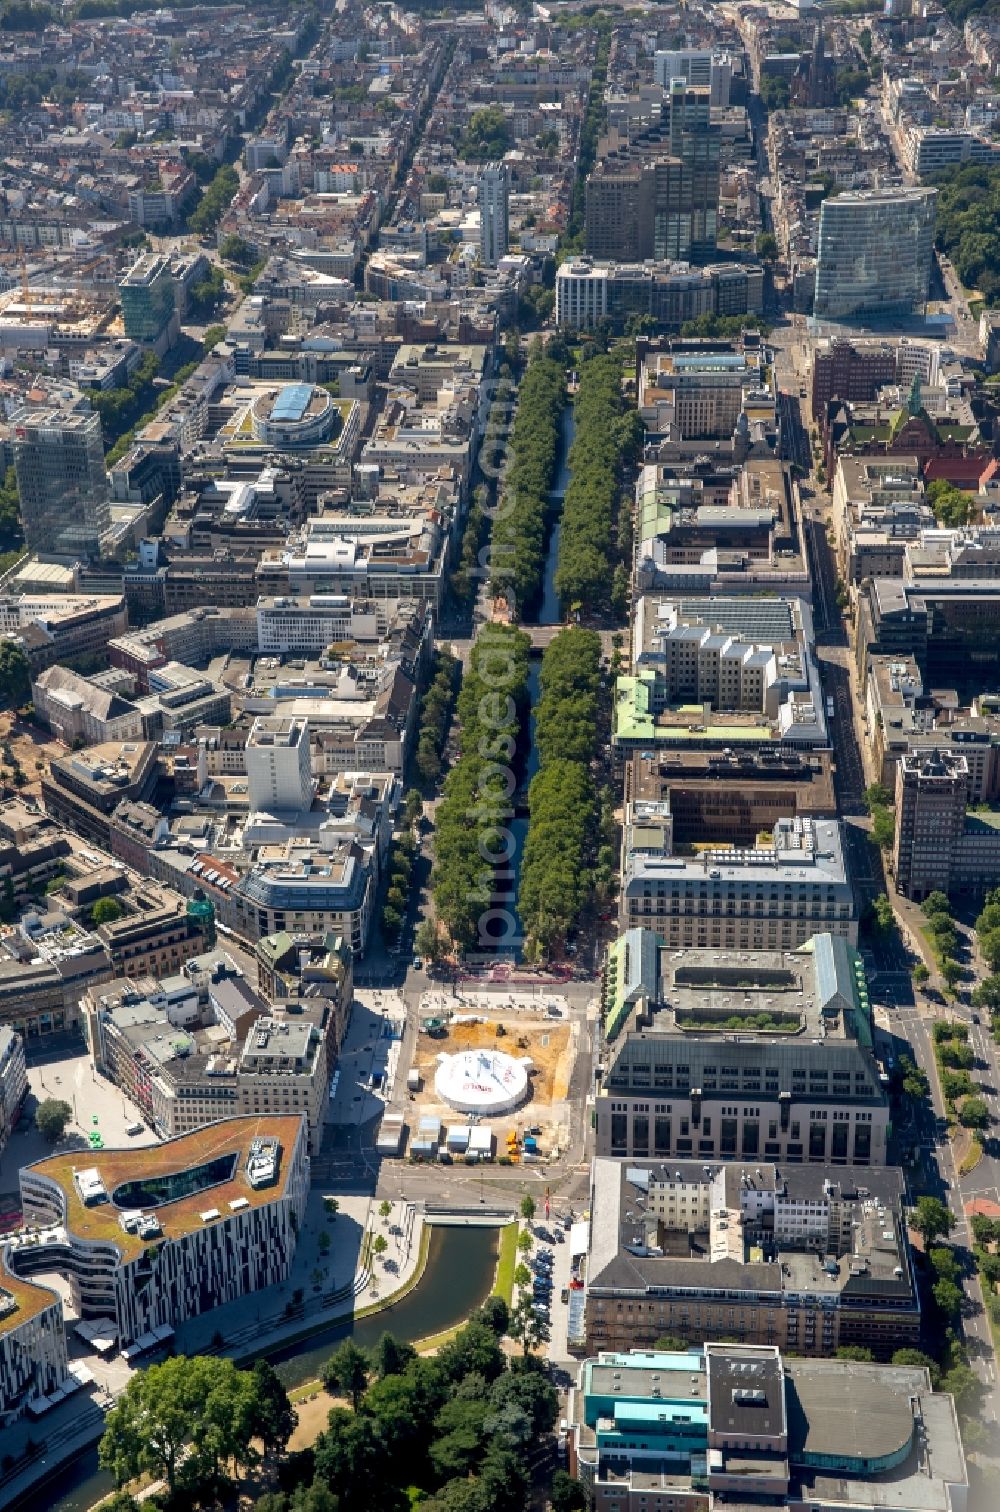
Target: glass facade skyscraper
(62, 482)
(874, 252)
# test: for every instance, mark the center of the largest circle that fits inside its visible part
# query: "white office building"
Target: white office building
(278, 767)
(494, 194)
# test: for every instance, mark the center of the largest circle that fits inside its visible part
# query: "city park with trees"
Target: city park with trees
(461, 1430)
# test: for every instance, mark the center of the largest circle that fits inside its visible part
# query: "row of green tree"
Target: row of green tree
(435, 715)
(987, 928)
(215, 200)
(464, 579)
(520, 528)
(159, 395)
(942, 935)
(987, 993)
(959, 10)
(18, 91)
(608, 436)
(11, 532)
(722, 327)
(557, 867)
(472, 833)
(956, 1059)
(119, 408)
(878, 801)
(401, 859)
(946, 1360)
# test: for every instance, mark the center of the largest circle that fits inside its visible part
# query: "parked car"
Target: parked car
(564, 1294)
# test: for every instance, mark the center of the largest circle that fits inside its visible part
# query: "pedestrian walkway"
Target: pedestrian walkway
(368, 1059)
(338, 1269)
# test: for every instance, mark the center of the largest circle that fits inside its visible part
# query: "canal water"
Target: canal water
(548, 613)
(461, 1264)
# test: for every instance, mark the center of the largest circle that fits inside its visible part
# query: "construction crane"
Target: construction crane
(86, 268)
(26, 293)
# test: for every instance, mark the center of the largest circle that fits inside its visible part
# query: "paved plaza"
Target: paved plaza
(73, 1080)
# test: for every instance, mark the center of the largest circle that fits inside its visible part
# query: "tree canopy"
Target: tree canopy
(952, 506)
(471, 837)
(519, 540)
(931, 1219)
(486, 137)
(187, 1420)
(448, 1432)
(607, 437)
(15, 674)
(51, 1117)
(563, 832)
(968, 225)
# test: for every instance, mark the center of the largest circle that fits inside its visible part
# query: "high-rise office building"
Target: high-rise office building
(874, 252)
(695, 142)
(62, 481)
(278, 766)
(147, 296)
(932, 790)
(494, 192)
(657, 195)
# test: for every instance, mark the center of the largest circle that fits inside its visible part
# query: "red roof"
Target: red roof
(964, 472)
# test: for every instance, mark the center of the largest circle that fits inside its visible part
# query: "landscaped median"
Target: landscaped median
(503, 1286)
(955, 1059)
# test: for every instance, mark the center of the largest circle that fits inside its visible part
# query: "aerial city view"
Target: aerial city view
(500, 756)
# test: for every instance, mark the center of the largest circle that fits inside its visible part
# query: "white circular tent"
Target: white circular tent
(481, 1081)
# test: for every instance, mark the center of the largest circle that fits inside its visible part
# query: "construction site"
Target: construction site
(459, 1059)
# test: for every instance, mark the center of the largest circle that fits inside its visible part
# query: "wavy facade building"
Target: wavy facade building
(148, 1238)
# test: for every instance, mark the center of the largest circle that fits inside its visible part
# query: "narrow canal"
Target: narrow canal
(461, 1264)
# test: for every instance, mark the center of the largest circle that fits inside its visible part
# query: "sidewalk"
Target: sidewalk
(323, 1287)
